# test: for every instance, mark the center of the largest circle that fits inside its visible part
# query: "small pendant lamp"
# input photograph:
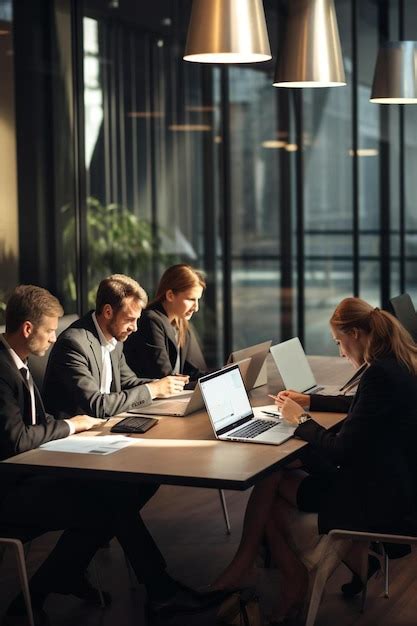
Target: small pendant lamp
(395, 77)
(311, 54)
(227, 31)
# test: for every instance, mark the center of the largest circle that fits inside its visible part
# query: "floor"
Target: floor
(188, 526)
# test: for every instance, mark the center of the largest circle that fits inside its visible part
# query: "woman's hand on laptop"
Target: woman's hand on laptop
(291, 411)
(301, 398)
(168, 386)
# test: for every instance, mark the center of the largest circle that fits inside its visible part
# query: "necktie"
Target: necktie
(28, 378)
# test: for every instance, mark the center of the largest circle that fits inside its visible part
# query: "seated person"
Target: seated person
(318, 402)
(87, 370)
(165, 343)
(32, 504)
(371, 484)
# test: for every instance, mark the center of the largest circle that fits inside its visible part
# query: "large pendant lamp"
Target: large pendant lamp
(311, 54)
(227, 31)
(395, 77)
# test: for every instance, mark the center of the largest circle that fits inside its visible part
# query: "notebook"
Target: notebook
(257, 374)
(185, 402)
(231, 414)
(295, 369)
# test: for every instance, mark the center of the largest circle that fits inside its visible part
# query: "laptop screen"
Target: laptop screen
(226, 399)
(293, 366)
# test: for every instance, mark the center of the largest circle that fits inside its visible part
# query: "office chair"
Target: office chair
(16, 544)
(331, 557)
(404, 310)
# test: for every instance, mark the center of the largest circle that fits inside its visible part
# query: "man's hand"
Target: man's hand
(301, 398)
(84, 422)
(168, 386)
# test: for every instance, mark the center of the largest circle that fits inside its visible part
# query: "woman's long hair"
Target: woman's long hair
(180, 277)
(386, 336)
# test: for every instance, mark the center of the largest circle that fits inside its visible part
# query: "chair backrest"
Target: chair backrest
(37, 364)
(404, 311)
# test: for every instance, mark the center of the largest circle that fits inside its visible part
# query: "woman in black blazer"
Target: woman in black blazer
(164, 343)
(371, 484)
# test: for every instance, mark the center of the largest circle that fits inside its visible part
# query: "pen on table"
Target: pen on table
(270, 413)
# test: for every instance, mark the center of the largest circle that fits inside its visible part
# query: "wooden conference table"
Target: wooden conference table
(184, 451)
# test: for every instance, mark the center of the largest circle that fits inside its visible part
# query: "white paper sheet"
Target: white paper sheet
(89, 445)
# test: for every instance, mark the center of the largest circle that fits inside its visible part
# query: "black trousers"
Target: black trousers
(90, 512)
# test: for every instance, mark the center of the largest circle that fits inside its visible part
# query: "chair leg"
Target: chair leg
(364, 577)
(130, 572)
(97, 581)
(21, 565)
(386, 575)
(225, 511)
(320, 580)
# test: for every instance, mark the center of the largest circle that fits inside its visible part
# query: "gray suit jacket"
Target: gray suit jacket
(72, 379)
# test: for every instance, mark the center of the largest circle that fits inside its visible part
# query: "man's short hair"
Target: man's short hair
(115, 289)
(29, 303)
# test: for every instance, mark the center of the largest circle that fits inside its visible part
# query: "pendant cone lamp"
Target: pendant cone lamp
(227, 31)
(395, 77)
(311, 54)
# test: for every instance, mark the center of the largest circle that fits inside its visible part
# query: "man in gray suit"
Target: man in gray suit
(87, 371)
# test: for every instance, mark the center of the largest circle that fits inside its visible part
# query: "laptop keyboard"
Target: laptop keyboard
(256, 427)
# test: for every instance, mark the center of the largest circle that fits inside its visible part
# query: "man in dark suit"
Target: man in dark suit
(87, 370)
(91, 511)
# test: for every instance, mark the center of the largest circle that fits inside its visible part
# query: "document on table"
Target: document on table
(89, 445)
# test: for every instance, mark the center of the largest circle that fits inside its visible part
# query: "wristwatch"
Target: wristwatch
(303, 418)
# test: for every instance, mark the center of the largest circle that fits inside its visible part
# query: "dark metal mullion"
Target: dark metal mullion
(152, 165)
(122, 114)
(384, 179)
(286, 221)
(80, 198)
(134, 125)
(209, 210)
(113, 153)
(355, 161)
(106, 113)
(299, 167)
(226, 215)
(402, 251)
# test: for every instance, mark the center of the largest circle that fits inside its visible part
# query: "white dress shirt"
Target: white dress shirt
(106, 348)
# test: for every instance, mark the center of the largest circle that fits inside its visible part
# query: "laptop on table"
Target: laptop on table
(231, 414)
(257, 374)
(296, 372)
(184, 403)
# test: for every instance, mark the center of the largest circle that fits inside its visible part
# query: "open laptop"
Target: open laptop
(185, 402)
(231, 414)
(295, 369)
(257, 374)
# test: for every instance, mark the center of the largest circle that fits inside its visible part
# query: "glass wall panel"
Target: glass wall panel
(9, 222)
(328, 216)
(368, 155)
(151, 155)
(255, 182)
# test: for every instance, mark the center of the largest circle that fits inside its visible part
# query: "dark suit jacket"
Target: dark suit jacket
(336, 404)
(152, 350)
(373, 485)
(17, 433)
(72, 379)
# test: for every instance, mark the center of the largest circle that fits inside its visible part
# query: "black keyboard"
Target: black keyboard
(256, 427)
(134, 425)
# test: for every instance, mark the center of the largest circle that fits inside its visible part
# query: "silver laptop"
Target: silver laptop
(257, 374)
(295, 369)
(230, 412)
(185, 402)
